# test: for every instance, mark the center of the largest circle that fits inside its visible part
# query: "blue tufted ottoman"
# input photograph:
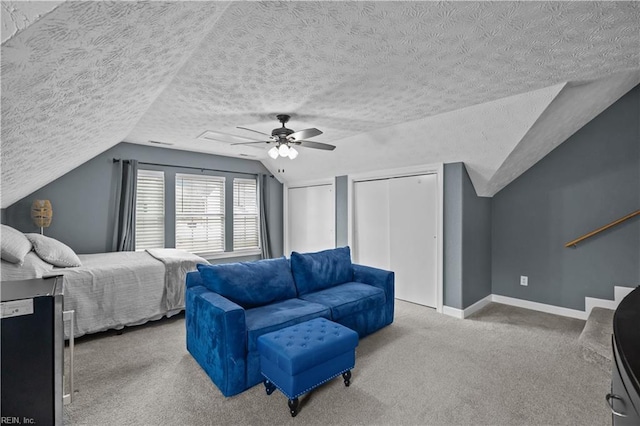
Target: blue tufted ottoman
(301, 357)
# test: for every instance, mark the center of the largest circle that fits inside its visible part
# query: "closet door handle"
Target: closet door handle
(610, 397)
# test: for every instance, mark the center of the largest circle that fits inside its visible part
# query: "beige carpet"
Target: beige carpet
(503, 366)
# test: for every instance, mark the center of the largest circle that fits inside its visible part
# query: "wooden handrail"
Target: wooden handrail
(603, 228)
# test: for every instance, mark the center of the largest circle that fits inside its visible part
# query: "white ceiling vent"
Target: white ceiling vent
(161, 143)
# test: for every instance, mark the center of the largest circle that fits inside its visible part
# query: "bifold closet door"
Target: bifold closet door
(395, 228)
(311, 218)
(371, 223)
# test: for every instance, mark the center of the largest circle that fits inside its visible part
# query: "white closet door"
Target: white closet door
(371, 223)
(413, 244)
(311, 218)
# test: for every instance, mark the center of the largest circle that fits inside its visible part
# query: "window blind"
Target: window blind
(150, 210)
(199, 213)
(246, 219)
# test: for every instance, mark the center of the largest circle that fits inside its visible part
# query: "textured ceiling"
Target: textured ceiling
(572, 108)
(390, 84)
(18, 15)
(78, 80)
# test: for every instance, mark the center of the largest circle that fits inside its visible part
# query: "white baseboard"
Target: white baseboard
(592, 302)
(534, 306)
(619, 293)
(478, 305)
(589, 303)
(541, 307)
(462, 314)
(453, 312)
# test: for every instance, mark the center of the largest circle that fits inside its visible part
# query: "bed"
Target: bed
(107, 290)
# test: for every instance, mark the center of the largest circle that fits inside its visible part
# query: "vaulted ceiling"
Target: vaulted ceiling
(391, 84)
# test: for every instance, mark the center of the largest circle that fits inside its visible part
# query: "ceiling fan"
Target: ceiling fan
(286, 139)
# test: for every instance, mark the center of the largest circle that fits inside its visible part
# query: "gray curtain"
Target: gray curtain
(124, 230)
(264, 228)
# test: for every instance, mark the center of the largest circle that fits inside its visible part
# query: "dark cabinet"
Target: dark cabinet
(32, 351)
(624, 398)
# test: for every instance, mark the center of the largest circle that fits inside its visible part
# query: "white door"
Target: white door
(311, 218)
(371, 223)
(413, 244)
(395, 228)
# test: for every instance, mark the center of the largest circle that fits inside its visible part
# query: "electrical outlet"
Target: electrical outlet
(524, 280)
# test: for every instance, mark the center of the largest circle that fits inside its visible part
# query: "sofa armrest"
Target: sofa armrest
(216, 337)
(376, 277)
(379, 278)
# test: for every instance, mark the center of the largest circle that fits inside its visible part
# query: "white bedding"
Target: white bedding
(177, 263)
(111, 290)
(33, 267)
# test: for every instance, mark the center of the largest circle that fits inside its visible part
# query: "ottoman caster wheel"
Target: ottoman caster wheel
(347, 378)
(269, 387)
(293, 407)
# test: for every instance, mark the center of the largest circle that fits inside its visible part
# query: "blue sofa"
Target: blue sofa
(229, 306)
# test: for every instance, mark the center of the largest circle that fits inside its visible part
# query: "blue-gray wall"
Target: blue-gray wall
(590, 180)
(467, 240)
(476, 244)
(342, 211)
(452, 238)
(83, 199)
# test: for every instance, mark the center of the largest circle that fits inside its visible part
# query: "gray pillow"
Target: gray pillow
(15, 245)
(53, 251)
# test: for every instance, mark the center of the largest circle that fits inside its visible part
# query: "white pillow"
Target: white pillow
(33, 267)
(15, 245)
(53, 251)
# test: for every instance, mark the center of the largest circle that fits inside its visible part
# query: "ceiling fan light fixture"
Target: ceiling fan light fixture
(293, 153)
(283, 149)
(273, 152)
(284, 138)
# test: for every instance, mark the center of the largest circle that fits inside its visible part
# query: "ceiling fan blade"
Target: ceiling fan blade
(247, 143)
(251, 130)
(316, 145)
(223, 137)
(304, 134)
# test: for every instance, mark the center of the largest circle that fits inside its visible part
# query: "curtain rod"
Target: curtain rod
(116, 160)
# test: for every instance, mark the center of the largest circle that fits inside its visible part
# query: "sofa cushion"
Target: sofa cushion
(250, 284)
(349, 298)
(273, 317)
(320, 270)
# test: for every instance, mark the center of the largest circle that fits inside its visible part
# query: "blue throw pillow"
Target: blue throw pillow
(250, 284)
(320, 270)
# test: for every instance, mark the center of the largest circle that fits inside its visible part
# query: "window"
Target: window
(246, 219)
(150, 210)
(199, 213)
